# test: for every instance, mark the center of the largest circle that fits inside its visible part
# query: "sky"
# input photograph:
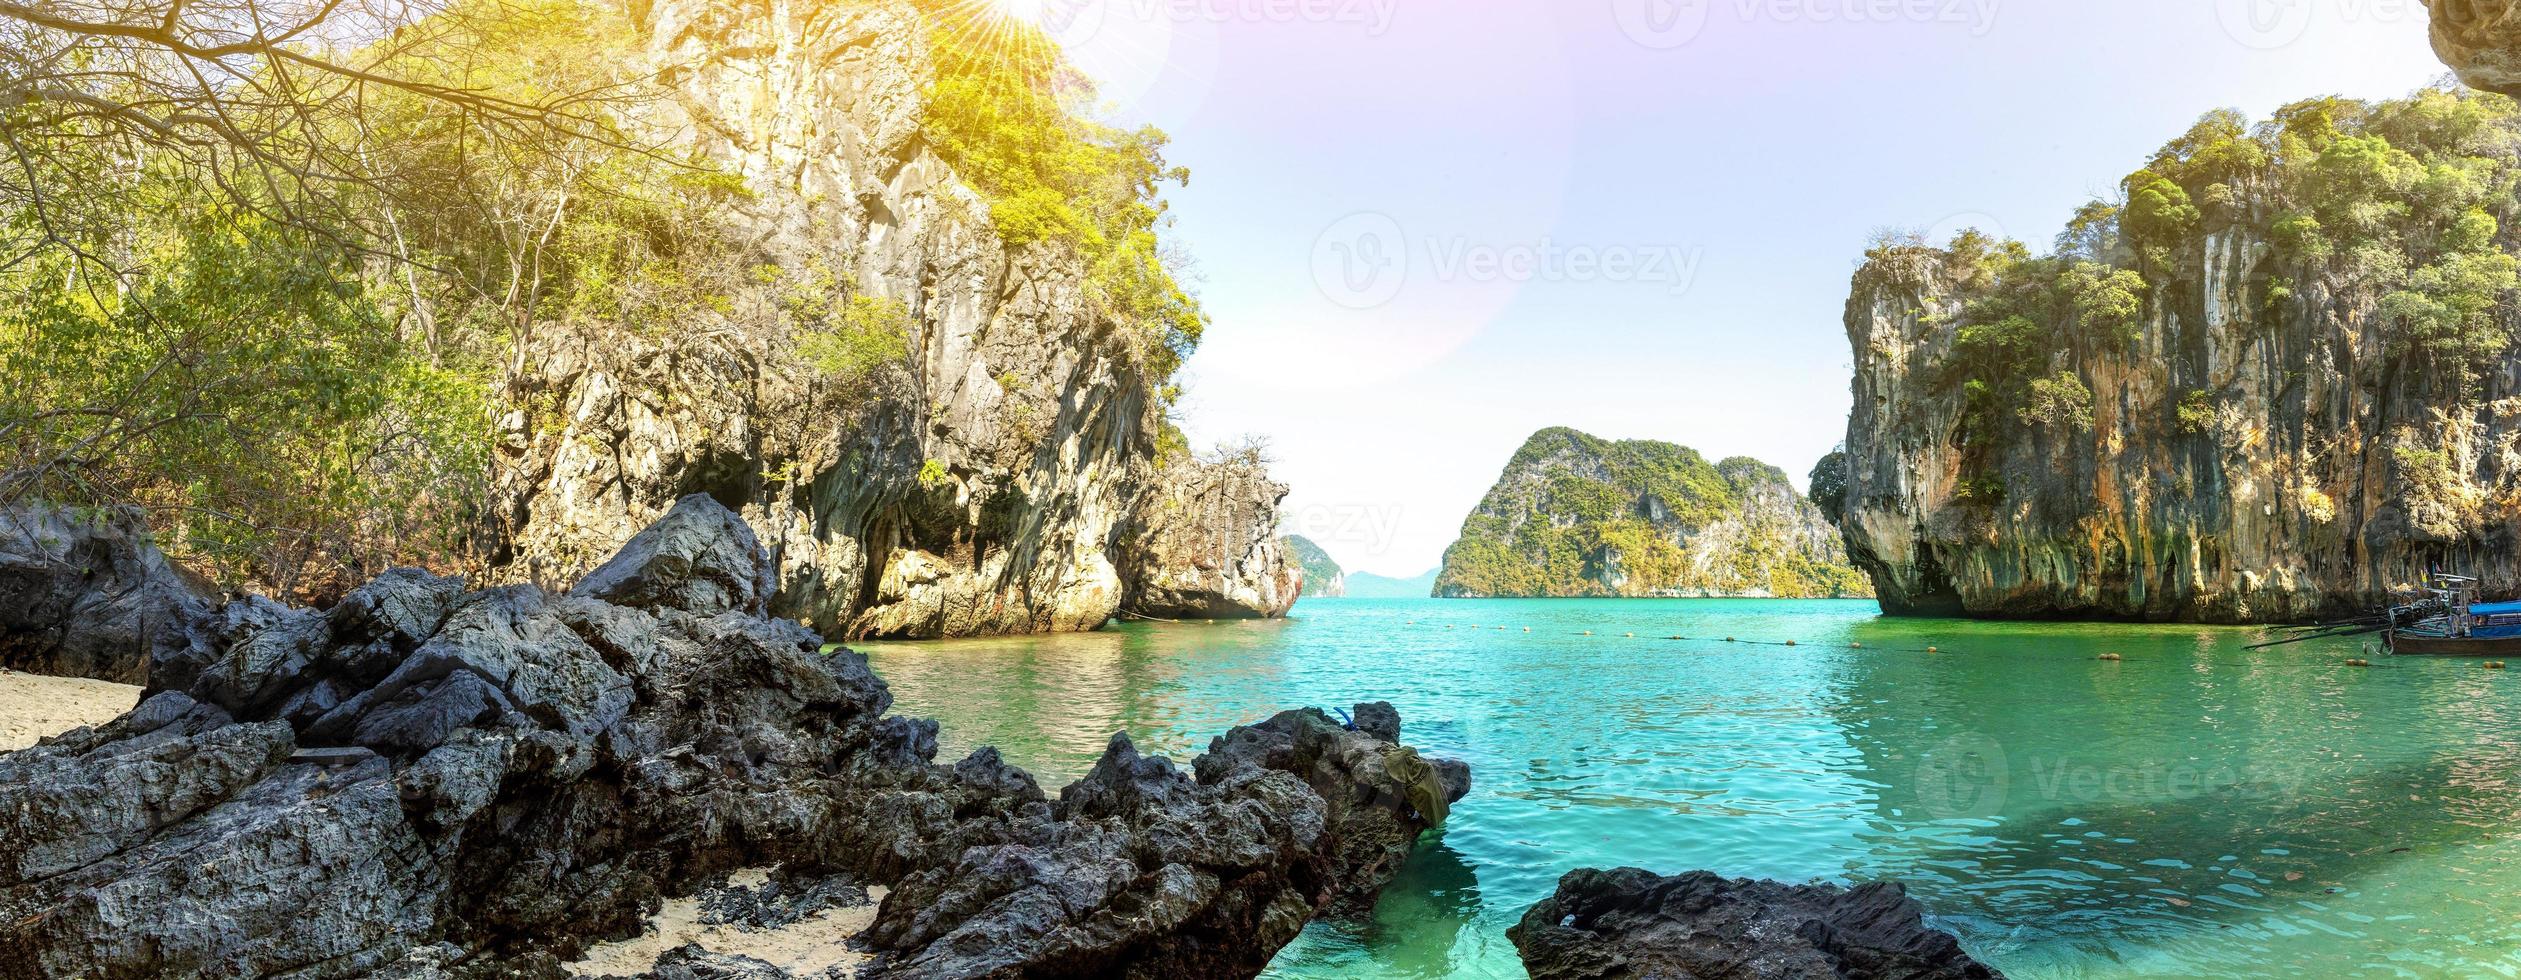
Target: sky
(1426, 229)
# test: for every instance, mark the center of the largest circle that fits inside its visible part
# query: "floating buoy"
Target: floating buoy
(2494, 665)
(1588, 632)
(1789, 642)
(1501, 629)
(1632, 636)
(1728, 639)
(1527, 629)
(1932, 650)
(1855, 646)
(2358, 663)
(2112, 657)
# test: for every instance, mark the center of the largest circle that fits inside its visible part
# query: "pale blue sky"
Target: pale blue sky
(1635, 220)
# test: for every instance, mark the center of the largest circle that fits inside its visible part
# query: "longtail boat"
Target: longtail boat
(2446, 620)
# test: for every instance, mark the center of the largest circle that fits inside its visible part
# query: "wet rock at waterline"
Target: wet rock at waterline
(1627, 923)
(432, 781)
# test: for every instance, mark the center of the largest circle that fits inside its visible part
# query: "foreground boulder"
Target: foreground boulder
(1627, 923)
(431, 781)
(83, 594)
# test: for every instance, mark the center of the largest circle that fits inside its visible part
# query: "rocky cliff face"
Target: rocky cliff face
(2277, 386)
(1322, 576)
(1574, 515)
(1203, 544)
(2481, 39)
(976, 487)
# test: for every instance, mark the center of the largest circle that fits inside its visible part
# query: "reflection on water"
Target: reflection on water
(2192, 809)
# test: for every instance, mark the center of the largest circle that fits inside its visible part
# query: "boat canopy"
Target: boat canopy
(2495, 609)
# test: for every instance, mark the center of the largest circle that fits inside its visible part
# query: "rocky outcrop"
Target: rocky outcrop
(432, 781)
(1322, 575)
(1202, 544)
(1634, 925)
(2481, 39)
(2277, 422)
(84, 594)
(1574, 516)
(975, 485)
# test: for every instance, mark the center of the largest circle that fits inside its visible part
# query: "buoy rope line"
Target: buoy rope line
(2357, 663)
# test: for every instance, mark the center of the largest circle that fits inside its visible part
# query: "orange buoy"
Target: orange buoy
(1728, 639)
(2358, 663)
(2112, 657)
(1789, 642)
(1932, 650)
(1588, 632)
(2494, 665)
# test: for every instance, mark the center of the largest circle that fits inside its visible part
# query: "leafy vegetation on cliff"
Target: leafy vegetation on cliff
(1576, 515)
(2400, 206)
(279, 296)
(1322, 576)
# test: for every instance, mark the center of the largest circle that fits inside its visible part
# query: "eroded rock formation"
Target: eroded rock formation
(430, 781)
(2481, 39)
(1202, 543)
(2283, 421)
(1629, 924)
(976, 487)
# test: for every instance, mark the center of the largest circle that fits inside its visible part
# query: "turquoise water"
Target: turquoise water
(2193, 809)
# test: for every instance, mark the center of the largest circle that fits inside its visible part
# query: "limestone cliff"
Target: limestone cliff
(1322, 576)
(1204, 544)
(1575, 515)
(973, 486)
(2277, 384)
(2481, 39)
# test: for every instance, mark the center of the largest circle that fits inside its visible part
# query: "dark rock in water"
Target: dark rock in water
(1144, 871)
(431, 782)
(700, 558)
(1627, 923)
(84, 594)
(691, 962)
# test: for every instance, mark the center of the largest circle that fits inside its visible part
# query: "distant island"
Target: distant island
(1579, 516)
(1323, 578)
(1366, 585)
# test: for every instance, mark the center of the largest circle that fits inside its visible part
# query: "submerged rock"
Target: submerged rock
(84, 594)
(1627, 923)
(430, 781)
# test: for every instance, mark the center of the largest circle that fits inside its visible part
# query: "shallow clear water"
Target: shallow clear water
(2192, 810)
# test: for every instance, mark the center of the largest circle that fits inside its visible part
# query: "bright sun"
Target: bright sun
(1028, 11)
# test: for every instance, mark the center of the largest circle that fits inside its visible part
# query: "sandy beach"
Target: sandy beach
(807, 948)
(33, 707)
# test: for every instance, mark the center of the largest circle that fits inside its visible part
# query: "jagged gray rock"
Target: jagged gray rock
(83, 594)
(700, 558)
(427, 781)
(1628, 923)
